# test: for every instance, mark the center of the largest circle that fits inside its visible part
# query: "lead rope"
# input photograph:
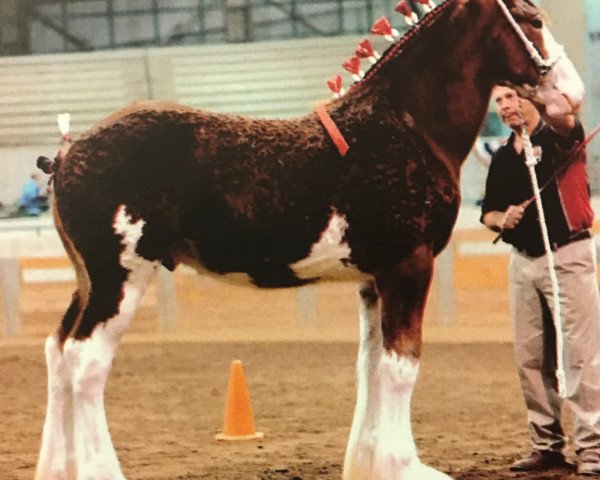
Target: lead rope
(531, 161)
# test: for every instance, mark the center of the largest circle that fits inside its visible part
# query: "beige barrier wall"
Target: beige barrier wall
(467, 300)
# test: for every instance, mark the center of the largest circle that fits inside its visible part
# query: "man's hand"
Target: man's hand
(513, 215)
(499, 221)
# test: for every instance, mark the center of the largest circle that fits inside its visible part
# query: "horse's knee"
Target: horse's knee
(89, 364)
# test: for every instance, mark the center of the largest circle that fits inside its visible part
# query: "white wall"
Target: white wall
(17, 164)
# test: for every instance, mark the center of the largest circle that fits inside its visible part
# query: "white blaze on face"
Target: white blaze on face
(563, 90)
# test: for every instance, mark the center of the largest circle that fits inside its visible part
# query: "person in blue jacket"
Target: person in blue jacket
(32, 202)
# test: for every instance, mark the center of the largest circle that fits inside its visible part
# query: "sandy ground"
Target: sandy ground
(166, 394)
(165, 403)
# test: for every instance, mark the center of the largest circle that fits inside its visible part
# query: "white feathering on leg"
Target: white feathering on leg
(384, 448)
(54, 454)
(89, 361)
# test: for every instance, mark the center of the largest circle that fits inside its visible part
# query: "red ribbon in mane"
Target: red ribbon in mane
(333, 131)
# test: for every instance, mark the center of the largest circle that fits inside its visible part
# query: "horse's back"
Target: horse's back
(140, 106)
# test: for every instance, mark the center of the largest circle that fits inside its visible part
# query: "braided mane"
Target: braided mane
(423, 24)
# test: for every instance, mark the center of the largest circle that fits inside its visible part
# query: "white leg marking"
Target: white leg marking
(52, 462)
(76, 443)
(381, 444)
(370, 350)
(140, 273)
(89, 362)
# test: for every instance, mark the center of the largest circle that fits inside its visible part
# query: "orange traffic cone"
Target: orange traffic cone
(239, 422)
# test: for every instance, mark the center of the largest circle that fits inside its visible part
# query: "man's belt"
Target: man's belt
(538, 252)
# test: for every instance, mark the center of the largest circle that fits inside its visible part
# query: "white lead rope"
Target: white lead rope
(544, 63)
(531, 161)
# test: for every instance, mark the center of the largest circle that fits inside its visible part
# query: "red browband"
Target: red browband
(332, 130)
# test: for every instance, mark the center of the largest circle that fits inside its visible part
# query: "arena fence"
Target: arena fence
(470, 277)
(43, 263)
(15, 272)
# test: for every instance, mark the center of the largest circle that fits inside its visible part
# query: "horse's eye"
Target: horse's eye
(537, 23)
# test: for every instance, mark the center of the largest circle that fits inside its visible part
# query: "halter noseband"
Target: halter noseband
(543, 65)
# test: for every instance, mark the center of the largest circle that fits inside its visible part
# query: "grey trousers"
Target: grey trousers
(530, 291)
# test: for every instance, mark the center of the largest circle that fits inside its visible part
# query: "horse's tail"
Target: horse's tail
(50, 167)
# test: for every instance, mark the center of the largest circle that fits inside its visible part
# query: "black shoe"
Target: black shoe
(540, 460)
(589, 463)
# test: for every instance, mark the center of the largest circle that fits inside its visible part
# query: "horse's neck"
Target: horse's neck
(448, 110)
(438, 86)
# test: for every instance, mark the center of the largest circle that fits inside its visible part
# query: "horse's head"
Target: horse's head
(536, 65)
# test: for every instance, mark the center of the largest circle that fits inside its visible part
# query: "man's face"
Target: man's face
(512, 109)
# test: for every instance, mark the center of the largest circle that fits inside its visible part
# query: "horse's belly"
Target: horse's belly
(329, 258)
(328, 268)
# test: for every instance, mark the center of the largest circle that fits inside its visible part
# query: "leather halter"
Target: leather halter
(543, 65)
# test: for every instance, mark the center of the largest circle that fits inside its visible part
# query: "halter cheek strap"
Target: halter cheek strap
(544, 65)
(332, 130)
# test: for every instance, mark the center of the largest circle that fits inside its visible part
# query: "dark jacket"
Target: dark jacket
(566, 198)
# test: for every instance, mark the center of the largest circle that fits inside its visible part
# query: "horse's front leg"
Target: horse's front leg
(381, 445)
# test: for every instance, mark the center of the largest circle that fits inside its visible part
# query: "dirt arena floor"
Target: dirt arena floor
(166, 394)
(165, 404)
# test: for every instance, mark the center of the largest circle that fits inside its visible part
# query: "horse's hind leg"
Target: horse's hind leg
(118, 278)
(52, 463)
(57, 442)
(381, 444)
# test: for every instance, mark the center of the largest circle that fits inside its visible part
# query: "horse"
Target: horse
(274, 203)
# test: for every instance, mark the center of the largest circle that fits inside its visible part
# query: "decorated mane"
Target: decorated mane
(384, 28)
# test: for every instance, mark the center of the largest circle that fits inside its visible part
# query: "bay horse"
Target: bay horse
(273, 203)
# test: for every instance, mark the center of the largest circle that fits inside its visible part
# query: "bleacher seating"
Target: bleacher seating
(267, 79)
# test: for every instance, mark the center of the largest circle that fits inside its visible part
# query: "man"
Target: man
(507, 208)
